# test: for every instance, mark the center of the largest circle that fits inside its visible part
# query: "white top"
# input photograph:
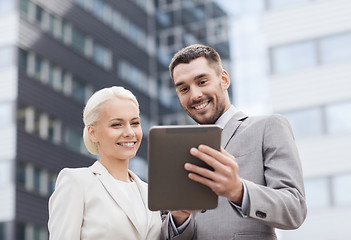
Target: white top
(131, 191)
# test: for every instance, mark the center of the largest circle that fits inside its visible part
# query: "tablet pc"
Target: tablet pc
(169, 187)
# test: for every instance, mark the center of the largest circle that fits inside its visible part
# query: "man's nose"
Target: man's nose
(196, 93)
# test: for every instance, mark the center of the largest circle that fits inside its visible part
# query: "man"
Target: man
(257, 174)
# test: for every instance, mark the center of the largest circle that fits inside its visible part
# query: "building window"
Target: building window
(2, 231)
(293, 57)
(307, 122)
(277, 4)
(339, 117)
(6, 6)
(78, 41)
(98, 9)
(6, 114)
(51, 183)
(113, 18)
(40, 124)
(63, 31)
(36, 179)
(38, 65)
(101, 56)
(164, 19)
(341, 189)
(5, 172)
(6, 57)
(52, 75)
(21, 231)
(24, 6)
(136, 77)
(21, 174)
(318, 192)
(302, 55)
(78, 90)
(29, 231)
(74, 140)
(39, 14)
(335, 49)
(23, 59)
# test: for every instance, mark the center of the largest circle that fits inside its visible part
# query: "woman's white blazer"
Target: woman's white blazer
(87, 205)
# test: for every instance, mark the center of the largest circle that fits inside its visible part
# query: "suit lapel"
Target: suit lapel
(231, 127)
(113, 189)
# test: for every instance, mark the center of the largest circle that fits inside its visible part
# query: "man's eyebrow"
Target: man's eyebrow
(179, 84)
(200, 76)
(195, 78)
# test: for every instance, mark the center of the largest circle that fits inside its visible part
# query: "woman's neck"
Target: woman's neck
(117, 168)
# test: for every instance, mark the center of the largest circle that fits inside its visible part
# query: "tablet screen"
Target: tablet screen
(168, 183)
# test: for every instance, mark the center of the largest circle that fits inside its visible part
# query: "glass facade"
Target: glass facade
(6, 7)
(65, 32)
(54, 76)
(45, 75)
(303, 55)
(338, 116)
(334, 118)
(119, 22)
(7, 56)
(278, 4)
(335, 49)
(6, 114)
(341, 189)
(328, 191)
(307, 122)
(293, 57)
(317, 193)
(5, 173)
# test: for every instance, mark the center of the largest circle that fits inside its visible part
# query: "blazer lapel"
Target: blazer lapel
(142, 187)
(109, 183)
(231, 127)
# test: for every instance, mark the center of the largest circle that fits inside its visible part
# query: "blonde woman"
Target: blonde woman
(105, 200)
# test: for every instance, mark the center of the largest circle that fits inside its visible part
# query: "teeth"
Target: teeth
(129, 144)
(201, 106)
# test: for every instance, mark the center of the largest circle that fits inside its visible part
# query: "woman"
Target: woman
(105, 200)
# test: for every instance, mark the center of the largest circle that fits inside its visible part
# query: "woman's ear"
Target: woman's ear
(91, 131)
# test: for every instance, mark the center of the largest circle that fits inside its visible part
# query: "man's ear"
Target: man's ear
(91, 131)
(225, 79)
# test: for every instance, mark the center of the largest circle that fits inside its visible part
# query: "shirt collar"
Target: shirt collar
(226, 116)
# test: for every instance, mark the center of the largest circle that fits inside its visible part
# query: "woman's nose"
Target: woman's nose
(128, 131)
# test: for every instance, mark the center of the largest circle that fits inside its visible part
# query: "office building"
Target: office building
(181, 23)
(53, 56)
(308, 43)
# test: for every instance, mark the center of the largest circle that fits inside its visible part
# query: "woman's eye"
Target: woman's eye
(116, 125)
(136, 123)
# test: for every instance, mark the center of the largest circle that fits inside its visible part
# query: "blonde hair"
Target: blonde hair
(92, 109)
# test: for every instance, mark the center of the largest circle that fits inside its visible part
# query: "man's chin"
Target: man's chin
(203, 120)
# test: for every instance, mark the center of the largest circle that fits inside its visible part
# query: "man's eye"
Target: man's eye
(183, 89)
(203, 82)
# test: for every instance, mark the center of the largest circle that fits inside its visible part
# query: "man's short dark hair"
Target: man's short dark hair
(191, 52)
